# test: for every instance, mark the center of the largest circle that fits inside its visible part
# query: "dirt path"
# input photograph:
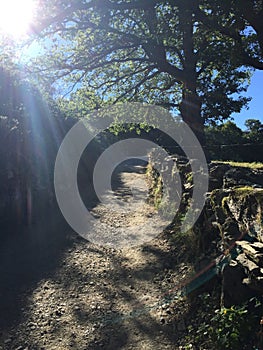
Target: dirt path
(96, 297)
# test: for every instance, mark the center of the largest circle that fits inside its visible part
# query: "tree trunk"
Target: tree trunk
(190, 109)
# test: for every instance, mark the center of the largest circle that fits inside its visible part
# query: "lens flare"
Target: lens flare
(15, 17)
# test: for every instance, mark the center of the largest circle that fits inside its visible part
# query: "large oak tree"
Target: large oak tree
(154, 51)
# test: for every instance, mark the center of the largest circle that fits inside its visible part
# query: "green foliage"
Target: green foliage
(240, 22)
(157, 52)
(79, 104)
(254, 132)
(228, 142)
(225, 133)
(234, 327)
(31, 130)
(253, 165)
(230, 324)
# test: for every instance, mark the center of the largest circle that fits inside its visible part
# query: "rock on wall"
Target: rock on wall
(230, 228)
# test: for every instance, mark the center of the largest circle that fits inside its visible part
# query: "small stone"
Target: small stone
(58, 313)
(248, 264)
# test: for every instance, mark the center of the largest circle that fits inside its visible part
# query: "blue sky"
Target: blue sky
(255, 110)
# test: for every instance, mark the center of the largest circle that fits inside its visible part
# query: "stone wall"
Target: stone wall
(230, 228)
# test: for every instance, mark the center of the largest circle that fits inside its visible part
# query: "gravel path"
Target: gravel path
(63, 292)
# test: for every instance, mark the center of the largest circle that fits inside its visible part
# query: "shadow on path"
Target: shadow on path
(27, 255)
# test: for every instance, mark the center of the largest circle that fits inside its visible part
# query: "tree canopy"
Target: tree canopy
(254, 131)
(159, 51)
(240, 21)
(227, 141)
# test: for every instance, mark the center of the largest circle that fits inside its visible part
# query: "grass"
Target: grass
(248, 190)
(253, 165)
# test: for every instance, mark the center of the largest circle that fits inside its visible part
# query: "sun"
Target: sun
(15, 17)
